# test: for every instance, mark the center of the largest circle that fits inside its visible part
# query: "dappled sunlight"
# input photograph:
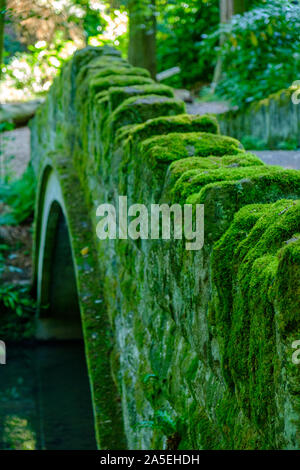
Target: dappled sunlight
(17, 433)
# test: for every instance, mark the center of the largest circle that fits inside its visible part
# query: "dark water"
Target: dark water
(45, 400)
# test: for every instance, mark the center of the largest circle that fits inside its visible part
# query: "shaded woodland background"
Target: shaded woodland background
(201, 37)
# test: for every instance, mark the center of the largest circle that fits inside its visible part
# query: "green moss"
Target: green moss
(235, 433)
(164, 125)
(222, 259)
(84, 70)
(193, 180)
(179, 167)
(104, 66)
(119, 94)
(139, 109)
(287, 290)
(223, 199)
(245, 273)
(119, 69)
(174, 146)
(98, 84)
(86, 56)
(281, 96)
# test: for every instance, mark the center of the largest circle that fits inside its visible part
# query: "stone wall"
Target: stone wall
(194, 345)
(273, 121)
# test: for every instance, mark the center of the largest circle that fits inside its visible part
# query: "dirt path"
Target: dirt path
(213, 107)
(15, 146)
(289, 159)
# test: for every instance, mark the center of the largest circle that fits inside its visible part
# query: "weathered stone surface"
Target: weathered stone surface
(194, 346)
(271, 121)
(19, 113)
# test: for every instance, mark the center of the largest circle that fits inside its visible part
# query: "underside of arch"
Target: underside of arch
(69, 287)
(59, 312)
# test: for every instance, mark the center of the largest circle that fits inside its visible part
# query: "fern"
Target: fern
(20, 197)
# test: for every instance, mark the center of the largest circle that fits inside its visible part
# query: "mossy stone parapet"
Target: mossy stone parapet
(247, 315)
(192, 348)
(164, 125)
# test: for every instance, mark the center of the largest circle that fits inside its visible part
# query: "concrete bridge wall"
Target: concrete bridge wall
(185, 349)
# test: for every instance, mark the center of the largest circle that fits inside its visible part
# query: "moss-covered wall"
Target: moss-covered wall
(198, 342)
(272, 123)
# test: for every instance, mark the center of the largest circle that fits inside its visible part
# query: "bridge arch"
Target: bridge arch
(58, 305)
(69, 296)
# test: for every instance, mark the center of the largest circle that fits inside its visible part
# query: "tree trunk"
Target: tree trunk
(232, 7)
(228, 8)
(142, 35)
(2, 23)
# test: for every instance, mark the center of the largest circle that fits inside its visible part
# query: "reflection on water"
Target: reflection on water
(45, 401)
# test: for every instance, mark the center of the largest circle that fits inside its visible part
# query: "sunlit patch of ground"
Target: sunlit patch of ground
(15, 146)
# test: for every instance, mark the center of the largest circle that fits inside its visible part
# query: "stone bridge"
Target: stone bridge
(187, 349)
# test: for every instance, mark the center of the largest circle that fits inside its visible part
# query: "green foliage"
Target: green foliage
(251, 142)
(91, 22)
(12, 299)
(20, 196)
(17, 312)
(6, 126)
(180, 31)
(34, 69)
(291, 144)
(3, 248)
(260, 53)
(35, 54)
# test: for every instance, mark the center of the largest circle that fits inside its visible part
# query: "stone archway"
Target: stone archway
(69, 292)
(65, 402)
(58, 306)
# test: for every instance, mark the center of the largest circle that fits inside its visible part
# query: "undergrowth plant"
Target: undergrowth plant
(19, 196)
(260, 51)
(16, 312)
(181, 28)
(16, 305)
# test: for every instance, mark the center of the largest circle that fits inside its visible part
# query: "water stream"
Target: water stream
(45, 400)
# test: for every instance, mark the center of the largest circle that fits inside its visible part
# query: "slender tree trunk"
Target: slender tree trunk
(232, 7)
(142, 34)
(2, 23)
(228, 8)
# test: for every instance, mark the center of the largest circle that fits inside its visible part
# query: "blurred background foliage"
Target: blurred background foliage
(182, 26)
(259, 51)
